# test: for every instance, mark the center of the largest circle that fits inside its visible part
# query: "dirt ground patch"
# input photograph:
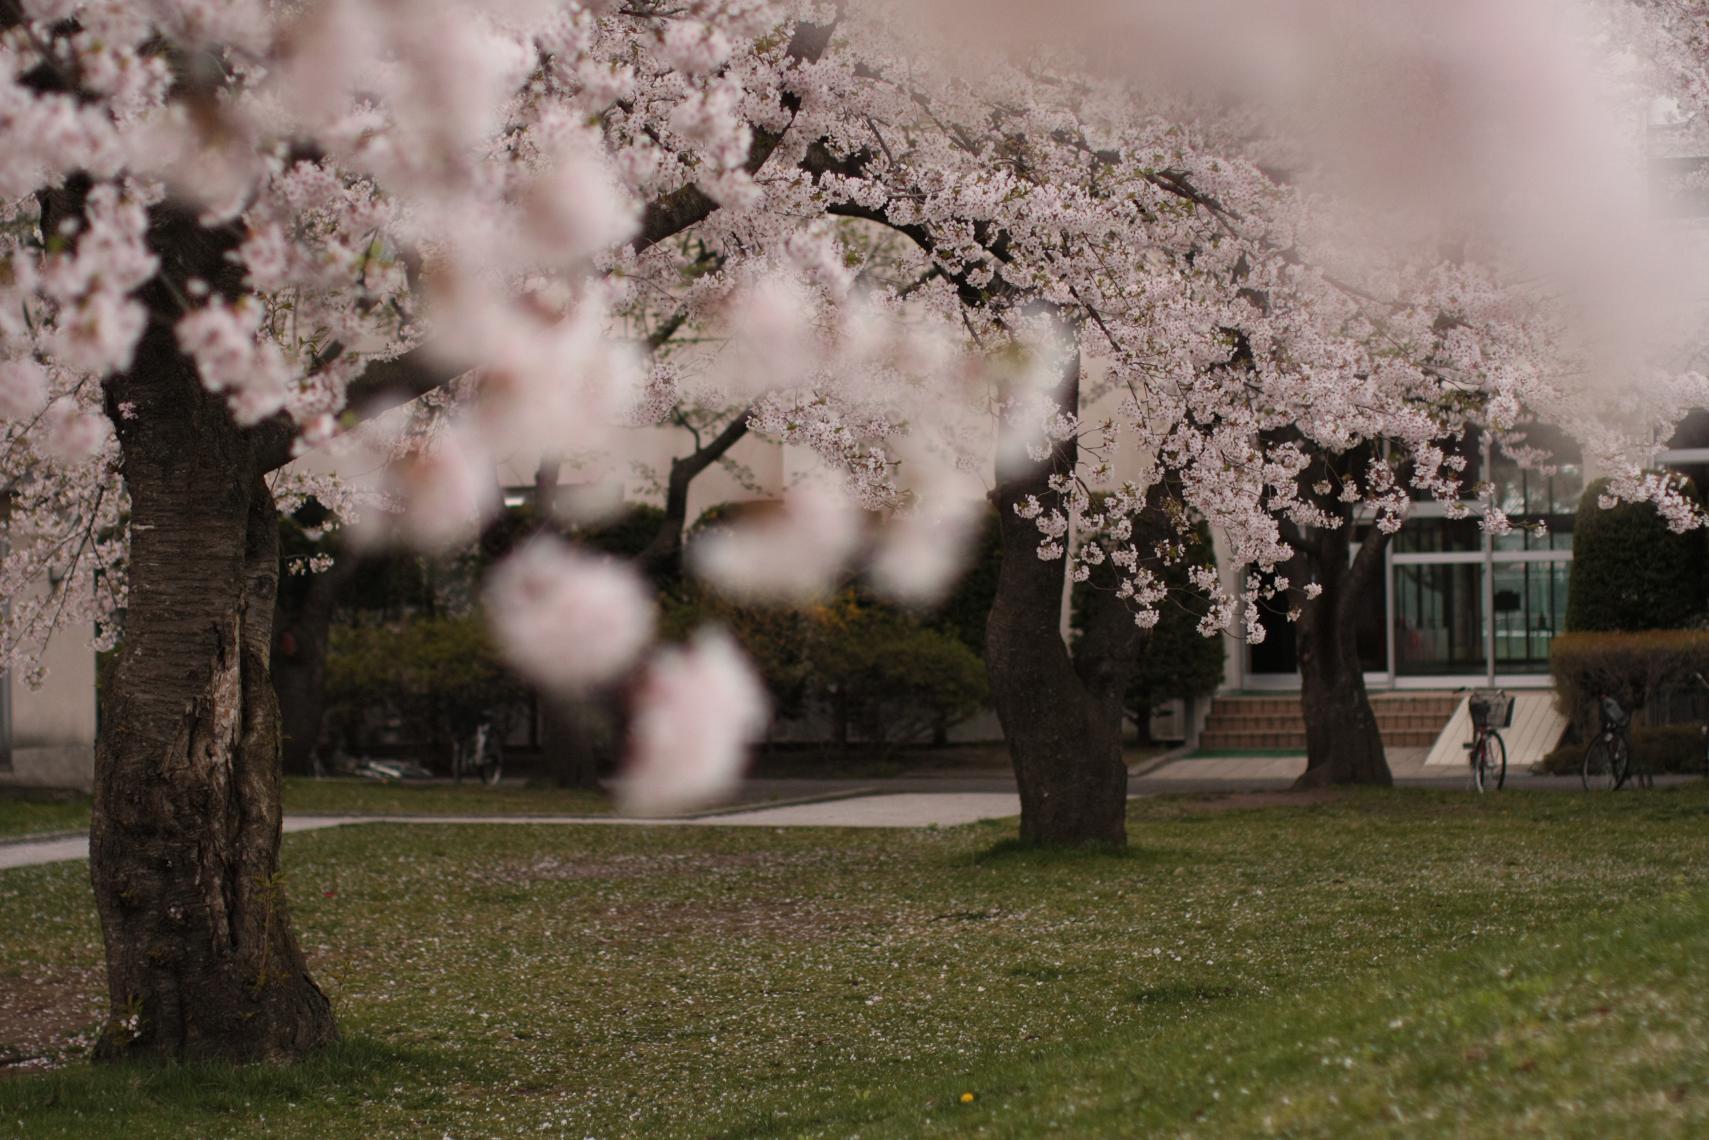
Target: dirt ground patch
(643, 866)
(42, 1019)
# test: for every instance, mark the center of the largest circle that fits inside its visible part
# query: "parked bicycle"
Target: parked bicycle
(1608, 760)
(1491, 711)
(1705, 729)
(480, 754)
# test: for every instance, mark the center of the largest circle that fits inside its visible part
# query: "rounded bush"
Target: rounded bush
(1629, 571)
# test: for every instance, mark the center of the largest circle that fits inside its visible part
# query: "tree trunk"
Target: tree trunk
(1343, 744)
(299, 662)
(1062, 725)
(572, 742)
(661, 561)
(184, 840)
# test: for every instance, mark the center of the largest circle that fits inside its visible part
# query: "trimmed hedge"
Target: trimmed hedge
(1629, 571)
(437, 675)
(1658, 748)
(879, 676)
(1633, 668)
(887, 676)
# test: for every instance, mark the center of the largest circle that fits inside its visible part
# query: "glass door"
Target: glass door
(1530, 602)
(1439, 624)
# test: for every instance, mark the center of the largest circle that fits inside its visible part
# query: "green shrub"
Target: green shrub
(1174, 660)
(1656, 748)
(1633, 668)
(886, 675)
(880, 674)
(1629, 571)
(776, 640)
(438, 675)
(877, 674)
(625, 534)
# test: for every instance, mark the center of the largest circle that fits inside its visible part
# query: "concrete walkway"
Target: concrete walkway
(945, 798)
(64, 848)
(900, 809)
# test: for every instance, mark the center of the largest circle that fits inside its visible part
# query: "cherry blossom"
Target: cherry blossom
(567, 620)
(865, 219)
(697, 710)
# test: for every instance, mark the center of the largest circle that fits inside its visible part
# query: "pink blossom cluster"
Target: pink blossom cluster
(874, 229)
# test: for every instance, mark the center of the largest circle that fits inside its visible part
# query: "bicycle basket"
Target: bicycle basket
(1491, 710)
(1613, 716)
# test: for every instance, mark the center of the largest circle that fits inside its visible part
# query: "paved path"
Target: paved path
(900, 809)
(925, 799)
(62, 849)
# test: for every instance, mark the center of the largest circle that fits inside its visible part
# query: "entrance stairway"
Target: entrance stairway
(1274, 723)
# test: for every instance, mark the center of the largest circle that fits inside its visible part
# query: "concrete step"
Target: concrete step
(1272, 723)
(1219, 740)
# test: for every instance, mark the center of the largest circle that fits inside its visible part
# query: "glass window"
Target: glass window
(1439, 619)
(1438, 535)
(1277, 653)
(1530, 608)
(1531, 496)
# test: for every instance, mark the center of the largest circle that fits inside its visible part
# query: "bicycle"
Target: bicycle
(1491, 710)
(481, 755)
(1705, 729)
(1608, 760)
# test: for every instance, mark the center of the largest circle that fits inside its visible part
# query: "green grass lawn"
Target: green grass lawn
(34, 815)
(1398, 963)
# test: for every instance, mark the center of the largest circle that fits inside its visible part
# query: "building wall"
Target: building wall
(52, 739)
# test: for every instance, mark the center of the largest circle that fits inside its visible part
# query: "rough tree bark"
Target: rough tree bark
(1343, 744)
(1061, 715)
(184, 836)
(184, 840)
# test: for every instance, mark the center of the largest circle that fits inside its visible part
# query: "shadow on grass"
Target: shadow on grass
(185, 1098)
(1020, 853)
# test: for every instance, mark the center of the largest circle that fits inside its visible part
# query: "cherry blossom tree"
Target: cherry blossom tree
(235, 229)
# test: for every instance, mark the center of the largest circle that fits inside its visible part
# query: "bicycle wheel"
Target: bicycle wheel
(1639, 773)
(1599, 772)
(1478, 757)
(1494, 763)
(1620, 754)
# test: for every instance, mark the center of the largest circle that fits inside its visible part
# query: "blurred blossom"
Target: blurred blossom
(566, 620)
(576, 208)
(697, 710)
(771, 343)
(23, 389)
(793, 553)
(74, 435)
(923, 549)
(554, 383)
(444, 490)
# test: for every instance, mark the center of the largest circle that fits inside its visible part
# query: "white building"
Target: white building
(47, 734)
